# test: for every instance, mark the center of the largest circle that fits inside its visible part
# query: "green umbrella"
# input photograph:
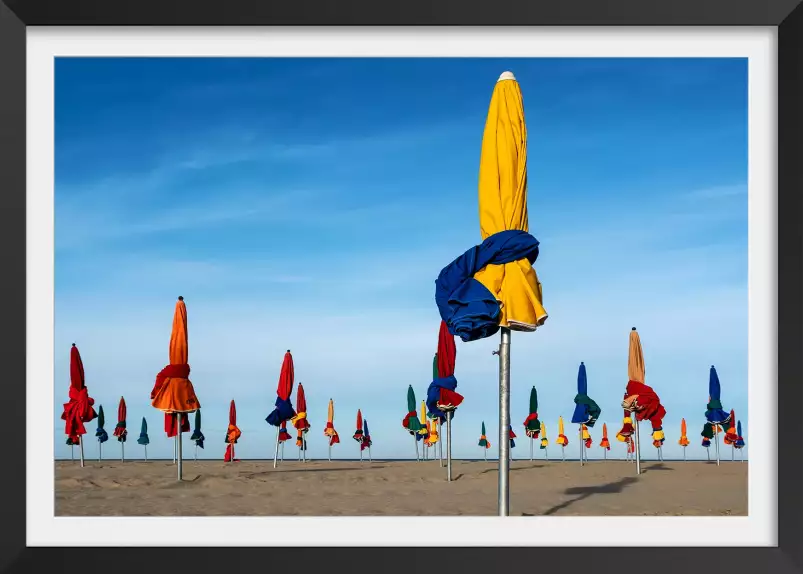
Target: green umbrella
(101, 433)
(483, 439)
(413, 424)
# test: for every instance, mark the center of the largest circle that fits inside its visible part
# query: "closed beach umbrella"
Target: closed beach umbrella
(283, 434)
(493, 285)
(739, 444)
(714, 413)
(366, 438)
(586, 436)
(300, 420)
(532, 426)
(283, 410)
(424, 432)
(232, 433)
(197, 435)
(143, 436)
(79, 409)
(330, 431)
(562, 439)
(604, 442)
(731, 435)
(586, 411)
(484, 442)
(511, 436)
(442, 399)
(119, 429)
(358, 434)
(432, 434)
(173, 393)
(410, 420)
(101, 433)
(684, 440)
(640, 399)
(544, 439)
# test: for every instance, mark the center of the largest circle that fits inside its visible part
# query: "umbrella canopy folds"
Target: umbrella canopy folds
(484, 442)
(684, 440)
(714, 413)
(423, 434)
(143, 433)
(101, 433)
(284, 408)
(358, 434)
(233, 432)
(493, 284)
(283, 434)
(173, 393)
(562, 439)
(410, 420)
(119, 430)
(366, 436)
(544, 439)
(739, 439)
(639, 398)
(731, 435)
(330, 431)
(512, 436)
(586, 436)
(604, 442)
(532, 426)
(586, 411)
(197, 435)
(300, 420)
(441, 395)
(432, 436)
(80, 409)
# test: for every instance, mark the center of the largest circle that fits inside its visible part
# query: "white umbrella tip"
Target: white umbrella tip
(506, 76)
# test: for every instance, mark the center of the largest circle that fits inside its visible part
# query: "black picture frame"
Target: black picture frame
(15, 15)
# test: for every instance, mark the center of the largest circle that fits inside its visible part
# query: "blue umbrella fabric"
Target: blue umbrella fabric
(714, 413)
(586, 411)
(739, 441)
(101, 433)
(143, 434)
(197, 435)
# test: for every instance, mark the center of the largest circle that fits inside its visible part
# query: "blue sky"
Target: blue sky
(309, 204)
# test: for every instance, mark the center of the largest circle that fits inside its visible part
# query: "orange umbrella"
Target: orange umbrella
(684, 440)
(119, 430)
(232, 433)
(330, 431)
(604, 442)
(173, 393)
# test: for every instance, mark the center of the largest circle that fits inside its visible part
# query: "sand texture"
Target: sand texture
(212, 488)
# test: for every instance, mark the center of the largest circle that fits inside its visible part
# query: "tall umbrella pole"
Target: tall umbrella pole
(531, 449)
(439, 447)
(81, 444)
(449, 446)
(638, 444)
(282, 452)
(196, 453)
(72, 452)
(684, 454)
(504, 423)
(415, 443)
(733, 453)
(179, 465)
(122, 452)
(716, 440)
(146, 453)
(175, 450)
(546, 453)
(100, 452)
(582, 445)
(276, 452)
(330, 452)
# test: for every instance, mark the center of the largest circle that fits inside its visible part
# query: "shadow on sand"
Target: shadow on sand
(584, 492)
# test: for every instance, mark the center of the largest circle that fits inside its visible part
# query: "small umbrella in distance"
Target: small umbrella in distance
(739, 444)
(284, 408)
(284, 436)
(707, 434)
(197, 435)
(233, 433)
(173, 393)
(119, 430)
(300, 421)
(532, 426)
(604, 443)
(484, 442)
(586, 411)
(79, 409)
(358, 434)
(101, 433)
(714, 413)
(442, 400)
(366, 439)
(684, 440)
(731, 435)
(511, 436)
(423, 434)
(562, 439)
(544, 441)
(143, 437)
(410, 420)
(330, 431)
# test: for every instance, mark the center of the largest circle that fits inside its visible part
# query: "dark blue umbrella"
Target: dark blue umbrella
(586, 411)
(739, 441)
(714, 413)
(143, 434)
(101, 433)
(197, 435)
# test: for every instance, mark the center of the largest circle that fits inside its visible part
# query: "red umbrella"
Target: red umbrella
(442, 400)
(79, 410)
(300, 420)
(358, 436)
(232, 433)
(283, 434)
(284, 408)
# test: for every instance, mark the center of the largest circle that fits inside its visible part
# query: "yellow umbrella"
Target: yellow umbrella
(330, 431)
(544, 440)
(562, 439)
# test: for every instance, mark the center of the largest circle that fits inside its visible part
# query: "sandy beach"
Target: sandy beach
(254, 488)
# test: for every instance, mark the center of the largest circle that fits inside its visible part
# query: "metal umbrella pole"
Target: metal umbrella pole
(178, 451)
(81, 444)
(195, 456)
(175, 450)
(531, 449)
(638, 444)
(684, 454)
(330, 452)
(282, 452)
(582, 445)
(716, 440)
(449, 446)
(733, 453)
(100, 451)
(146, 453)
(504, 423)
(276, 452)
(72, 452)
(415, 443)
(122, 452)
